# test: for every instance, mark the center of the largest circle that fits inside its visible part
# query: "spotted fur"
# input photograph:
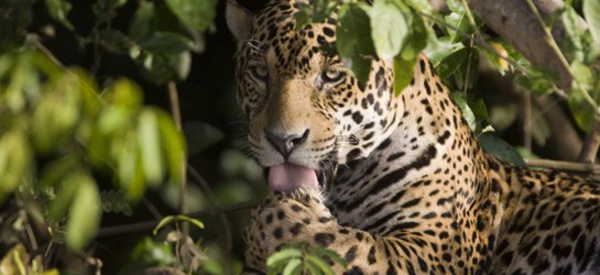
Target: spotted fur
(409, 190)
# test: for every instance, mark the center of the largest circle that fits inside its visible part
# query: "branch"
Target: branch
(518, 25)
(589, 150)
(586, 168)
(149, 225)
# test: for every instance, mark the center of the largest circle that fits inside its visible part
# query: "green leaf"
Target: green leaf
(389, 28)
(591, 10)
(416, 40)
(403, 74)
(421, 5)
(302, 18)
(445, 56)
(84, 213)
(573, 43)
(173, 146)
(353, 39)
(500, 149)
(537, 81)
(322, 251)
(354, 30)
(150, 147)
(125, 93)
(283, 255)
(466, 111)
(167, 42)
(313, 268)
(58, 170)
(195, 14)
(115, 41)
(148, 253)
(16, 161)
(468, 71)
(141, 26)
(455, 6)
(57, 114)
(320, 263)
(58, 10)
(581, 109)
(293, 267)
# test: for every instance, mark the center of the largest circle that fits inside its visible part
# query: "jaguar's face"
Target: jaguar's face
(304, 106)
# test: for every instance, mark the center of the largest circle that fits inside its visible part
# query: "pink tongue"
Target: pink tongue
(288, 177)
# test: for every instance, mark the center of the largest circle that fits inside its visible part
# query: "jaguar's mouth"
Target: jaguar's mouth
(287, 177)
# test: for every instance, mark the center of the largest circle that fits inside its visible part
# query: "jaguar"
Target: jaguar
(393, 184)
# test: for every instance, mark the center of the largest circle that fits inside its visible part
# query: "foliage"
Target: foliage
(72, 149)
(303, 259)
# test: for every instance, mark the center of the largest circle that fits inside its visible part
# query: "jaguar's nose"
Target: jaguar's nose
(286, 142)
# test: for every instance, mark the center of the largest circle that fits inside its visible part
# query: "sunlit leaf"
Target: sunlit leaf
(423, 6)
(466, 111)
(389, 28)
(16, 161)
(416, 40)
(129, 167)
(84, 212)
(125, 93)
(293, 267)
(148, 253)
(173, 146)
(150, 147)
(322, 251)
(446, 56)
(57, 114)
(573, 46)
(283, 255)
(313, 268)
(323, 266)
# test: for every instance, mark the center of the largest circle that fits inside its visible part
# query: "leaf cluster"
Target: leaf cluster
(303, 259)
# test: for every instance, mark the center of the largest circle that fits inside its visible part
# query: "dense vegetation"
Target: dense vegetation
(122, 150)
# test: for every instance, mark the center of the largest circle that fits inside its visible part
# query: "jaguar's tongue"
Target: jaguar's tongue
(287, 177)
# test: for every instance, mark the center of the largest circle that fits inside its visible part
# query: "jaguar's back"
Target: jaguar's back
(395, 184)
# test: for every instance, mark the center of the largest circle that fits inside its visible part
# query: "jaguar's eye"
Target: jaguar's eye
(332, 75)
(260, 73)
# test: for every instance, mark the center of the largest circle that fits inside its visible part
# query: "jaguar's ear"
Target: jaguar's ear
(239, 20)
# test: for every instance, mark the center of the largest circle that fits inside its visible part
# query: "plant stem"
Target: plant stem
(149, 225)
(214, 202)
(176, 112)
(561, 57)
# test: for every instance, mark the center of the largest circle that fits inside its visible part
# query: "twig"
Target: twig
(565, 166)
(527, 119)
(214, 201)
(561, 57)
(149, 225)
(176, 112)
(589, 149)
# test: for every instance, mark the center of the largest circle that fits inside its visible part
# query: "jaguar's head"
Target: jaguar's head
(307, 111)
